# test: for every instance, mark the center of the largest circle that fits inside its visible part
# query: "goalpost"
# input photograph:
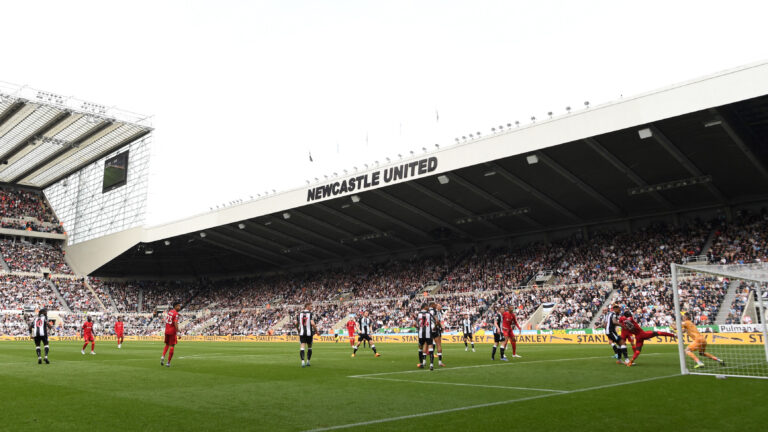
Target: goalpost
(740, 337)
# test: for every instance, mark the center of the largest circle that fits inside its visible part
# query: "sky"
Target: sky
(241, 92)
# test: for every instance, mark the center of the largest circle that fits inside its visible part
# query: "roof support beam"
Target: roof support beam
(11, 111)
(419, 212)
(501, 204)
(517, 181)
(740, 143)
(328, 226)
(395, 221)
(619, 165)
(589, 190)
(137, 136)
(218, 242)
(34, 136)
(684, 161)
(262, 228)
(254, 238)
(310, 233)
(350, 219)
(64, 150)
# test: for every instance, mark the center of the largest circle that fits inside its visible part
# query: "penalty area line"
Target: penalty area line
(496, 364)
(465, 384)
(485, 405)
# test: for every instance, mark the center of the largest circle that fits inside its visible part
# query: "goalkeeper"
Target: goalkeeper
(699, 343)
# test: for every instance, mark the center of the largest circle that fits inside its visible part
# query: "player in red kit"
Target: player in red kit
(171, 332)
(509, 322)
(88, 336)
(629, 325)
(351, 324)
(119, 332)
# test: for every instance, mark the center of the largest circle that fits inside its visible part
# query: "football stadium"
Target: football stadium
(604, 267)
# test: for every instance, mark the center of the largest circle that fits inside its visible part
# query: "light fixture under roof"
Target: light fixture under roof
(645, 133)
(489, 173)
(713, 123)
(443, 179)
(355, 198)
(202, 235)
(532, 159)
(241, 225)
(286, 215)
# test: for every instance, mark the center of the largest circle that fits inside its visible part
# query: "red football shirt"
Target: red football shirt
(350, 325)
(630, 325)
(509, 319)
(87, 328)
(119, 327)
(171, 318)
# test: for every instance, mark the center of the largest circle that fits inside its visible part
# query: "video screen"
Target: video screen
(115, 172)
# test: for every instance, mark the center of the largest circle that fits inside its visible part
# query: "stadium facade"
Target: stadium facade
(693, 148)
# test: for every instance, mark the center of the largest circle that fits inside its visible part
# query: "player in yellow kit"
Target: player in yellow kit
(699, 343)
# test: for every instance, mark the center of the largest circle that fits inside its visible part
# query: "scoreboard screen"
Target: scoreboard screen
(115, 172)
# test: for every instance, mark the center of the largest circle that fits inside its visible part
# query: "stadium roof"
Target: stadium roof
(693, 146)
(44, 137)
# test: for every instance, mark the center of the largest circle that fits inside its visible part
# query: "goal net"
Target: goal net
(722, 321)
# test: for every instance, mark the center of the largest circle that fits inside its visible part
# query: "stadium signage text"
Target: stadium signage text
(372, 179)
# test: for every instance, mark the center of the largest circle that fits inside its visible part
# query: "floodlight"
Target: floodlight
(167, 242)
(645, 133)
(202, 235)
(443, 179)
(286, 215)
(241, 225)
(355, 198)
(532, 159)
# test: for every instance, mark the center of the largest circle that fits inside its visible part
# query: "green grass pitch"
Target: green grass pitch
(259, 386)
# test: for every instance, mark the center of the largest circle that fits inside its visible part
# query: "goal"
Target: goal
(727, 303)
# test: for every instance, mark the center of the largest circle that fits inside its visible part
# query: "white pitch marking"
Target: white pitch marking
(496, 364)
(464, 384)
(405, 417)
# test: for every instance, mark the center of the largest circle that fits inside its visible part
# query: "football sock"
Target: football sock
(473, 345)
(309, 354)
(493, 353)
(501, 351)
(165, 350)
(431, 358)
(705, 354)
(623, 350)
(170, 355)
(514, 347)
(46, 351)
(465, 344)
(666, 334)
(93, 344)
(84, 346)
(354, 350)
(440, 356)
(634, 355)
(421, 356)
(301, 354)
(373, 347)
(38, 352)
(615, 349)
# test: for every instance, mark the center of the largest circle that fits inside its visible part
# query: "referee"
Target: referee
(39, 330)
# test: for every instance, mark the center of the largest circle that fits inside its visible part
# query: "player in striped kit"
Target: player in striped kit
(39, 329)
(466, 328)
(612, 327)
(497, 336)
(437, 335)
(425, 325)
(307, 329)
(366, 328)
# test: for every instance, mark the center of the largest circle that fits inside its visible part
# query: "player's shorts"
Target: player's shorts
(305, 340)
(641, 337)
(497, 337)
(361, 337)
(423, 341)
(613, 336)
(88, 338)
(170, 339)
(351, 333)
(626, 335)
(699, 344)
(119, 335)
(437, 333)
(468, 336)
(509, 334)
(39, 339)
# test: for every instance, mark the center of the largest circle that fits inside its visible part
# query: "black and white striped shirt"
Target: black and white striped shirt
(466, 325)
(498, 319)
(426, 324)
(366, 326)
(610, 327)
(40, 326)
(305, 323)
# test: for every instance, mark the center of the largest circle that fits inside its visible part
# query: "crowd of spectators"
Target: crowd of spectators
(26, 225)
(33, 257)
(77, 295)
(17, 203)
(19, 291)
(741, 242)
